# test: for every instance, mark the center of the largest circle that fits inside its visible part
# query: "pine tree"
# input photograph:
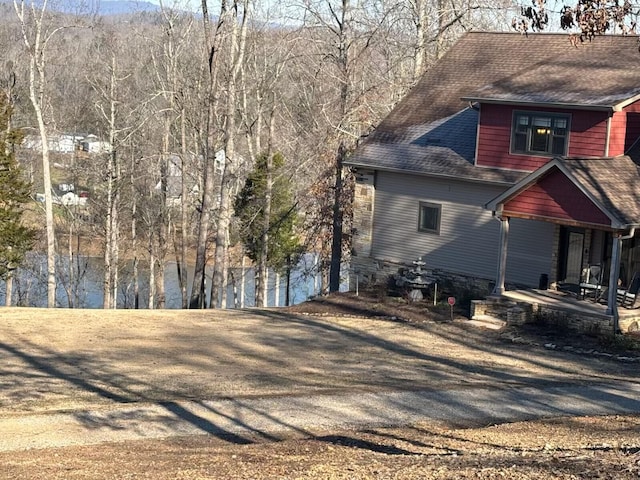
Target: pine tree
(283, 243)
(15, 238)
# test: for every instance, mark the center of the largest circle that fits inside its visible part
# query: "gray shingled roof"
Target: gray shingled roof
(445, 147)
(613, 182)
(500, 66)
(602, 73)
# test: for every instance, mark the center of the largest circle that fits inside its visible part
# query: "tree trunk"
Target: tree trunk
(198, 288)
(152, 274)
(336, 243)
(261, 294)
(113, 197)
(184, 213)
(237, 51)
(421, 38)
(163, 221)
(36, 46)
(287, 293)
(72, 292)
(344, 41)
(134, 239)
(8, 289)
(198, 294)
(36, 99)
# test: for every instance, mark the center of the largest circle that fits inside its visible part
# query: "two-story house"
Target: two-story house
(512, 160)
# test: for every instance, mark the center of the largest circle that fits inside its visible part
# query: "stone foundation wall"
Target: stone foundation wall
(574, 321)
(511, 312)
(515, 313)
(370, 273)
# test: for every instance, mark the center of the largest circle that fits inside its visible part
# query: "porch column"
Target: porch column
(502, 256)
(614, 275)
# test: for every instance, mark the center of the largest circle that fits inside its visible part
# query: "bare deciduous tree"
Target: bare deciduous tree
(36, 37)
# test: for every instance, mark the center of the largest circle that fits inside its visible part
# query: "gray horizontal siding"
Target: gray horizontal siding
(530, 251)
(469, 237)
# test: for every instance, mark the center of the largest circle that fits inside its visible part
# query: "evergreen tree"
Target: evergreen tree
(283, 245)
(15, 238)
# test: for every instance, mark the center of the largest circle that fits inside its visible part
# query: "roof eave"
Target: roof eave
(429, 174)
(520, 103)
(618, 107)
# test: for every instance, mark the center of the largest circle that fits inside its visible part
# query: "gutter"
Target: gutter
(608, 137)
(522, 103)
(508, 183)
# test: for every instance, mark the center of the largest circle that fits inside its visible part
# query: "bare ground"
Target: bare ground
(61, 360)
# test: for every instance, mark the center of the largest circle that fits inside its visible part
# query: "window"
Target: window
(429, 217)
(540, 133)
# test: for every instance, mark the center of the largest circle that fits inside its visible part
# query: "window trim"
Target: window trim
(434, 206)
(547, 115)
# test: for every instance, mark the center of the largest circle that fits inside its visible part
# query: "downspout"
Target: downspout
(476, 107)
(614, 273)
(608, 137)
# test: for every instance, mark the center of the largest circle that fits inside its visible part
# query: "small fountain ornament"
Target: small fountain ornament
(417, 280)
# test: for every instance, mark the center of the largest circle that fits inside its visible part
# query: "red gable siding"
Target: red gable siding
(587, 137)
(633, 107)
(633, 130)
(555, 196)
(617, 134)
(633, 125)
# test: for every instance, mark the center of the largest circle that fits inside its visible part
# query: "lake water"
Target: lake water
(30, 285)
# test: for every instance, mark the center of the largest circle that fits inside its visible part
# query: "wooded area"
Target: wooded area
(184, 105)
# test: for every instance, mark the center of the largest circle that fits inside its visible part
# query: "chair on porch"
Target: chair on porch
(627, 297)
(591, 282)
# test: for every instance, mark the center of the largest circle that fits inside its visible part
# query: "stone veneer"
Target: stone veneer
(519, 313)
(364, 201)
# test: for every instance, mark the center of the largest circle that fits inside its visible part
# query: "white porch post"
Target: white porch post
(614, 274)
(502, 257)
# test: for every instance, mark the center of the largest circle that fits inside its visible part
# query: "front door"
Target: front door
(571, 248)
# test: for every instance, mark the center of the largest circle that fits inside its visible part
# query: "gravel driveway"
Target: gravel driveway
(103, 371)
(60, 360)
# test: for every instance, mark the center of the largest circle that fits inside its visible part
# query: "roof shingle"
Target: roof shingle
(613, 182)
(432, 131)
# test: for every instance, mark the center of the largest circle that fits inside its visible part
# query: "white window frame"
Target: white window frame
(527, 133)
(422, 207)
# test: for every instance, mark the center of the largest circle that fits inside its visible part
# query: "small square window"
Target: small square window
(429, 217)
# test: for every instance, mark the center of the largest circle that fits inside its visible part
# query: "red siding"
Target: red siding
(617, 134)
(587, 137)
(555, 196)
(633, 130)
(633, 125)
(634, 107)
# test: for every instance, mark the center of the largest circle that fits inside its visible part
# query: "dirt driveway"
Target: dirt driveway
(54, 361)
(60, 359)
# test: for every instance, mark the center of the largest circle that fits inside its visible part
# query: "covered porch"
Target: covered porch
(582, 197)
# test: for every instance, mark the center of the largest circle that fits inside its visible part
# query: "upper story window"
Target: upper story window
(540, 133)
